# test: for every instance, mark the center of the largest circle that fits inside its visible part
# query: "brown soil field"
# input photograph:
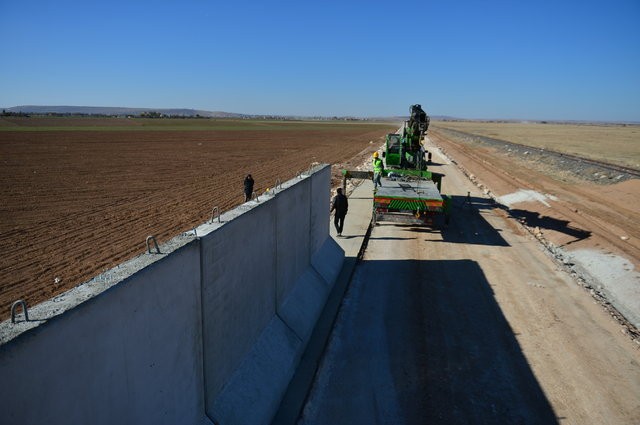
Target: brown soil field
(80, 196)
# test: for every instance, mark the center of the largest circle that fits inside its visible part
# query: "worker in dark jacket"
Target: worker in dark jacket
(248, 187)
(340, 205)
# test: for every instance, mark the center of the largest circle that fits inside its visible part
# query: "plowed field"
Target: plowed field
(81, 196)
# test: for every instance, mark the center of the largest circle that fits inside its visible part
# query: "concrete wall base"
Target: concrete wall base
(253, 393)
(301, 310)
(328, 261)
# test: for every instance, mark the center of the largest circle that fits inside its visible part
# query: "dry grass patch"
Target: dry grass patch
(616, 144)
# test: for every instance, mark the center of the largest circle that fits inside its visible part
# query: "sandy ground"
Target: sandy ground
(77, 202)
(478, 323)
(593, 229)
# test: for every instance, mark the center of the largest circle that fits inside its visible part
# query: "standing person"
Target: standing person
(248, 187)
(378, 168)
(340, 205)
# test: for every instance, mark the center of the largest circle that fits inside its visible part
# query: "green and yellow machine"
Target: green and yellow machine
(405, 150)
(409, 192)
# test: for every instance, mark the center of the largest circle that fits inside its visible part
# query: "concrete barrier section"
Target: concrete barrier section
(238, 292)
(303, 306)
(211, 331)
(297, 292)
(327, 261)
(128, 356)
(293, 233)
(253, 393)
(320, 203)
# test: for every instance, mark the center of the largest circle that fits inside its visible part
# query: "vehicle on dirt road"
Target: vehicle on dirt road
(408, 192)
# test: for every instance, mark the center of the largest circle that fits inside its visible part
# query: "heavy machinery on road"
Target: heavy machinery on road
(404, 150)
(409, 192)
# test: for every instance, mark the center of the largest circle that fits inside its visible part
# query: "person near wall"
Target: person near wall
(340, 205)
(248, 187)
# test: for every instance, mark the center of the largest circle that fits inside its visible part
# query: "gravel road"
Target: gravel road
(475, 324)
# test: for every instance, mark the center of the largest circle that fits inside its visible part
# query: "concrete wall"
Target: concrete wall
(130, 355)
(209, 331)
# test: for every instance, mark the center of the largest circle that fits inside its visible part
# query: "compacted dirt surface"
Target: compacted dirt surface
(587, 217)
(481, 322)
(77, 201)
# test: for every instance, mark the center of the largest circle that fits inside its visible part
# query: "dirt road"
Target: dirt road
(477, 324)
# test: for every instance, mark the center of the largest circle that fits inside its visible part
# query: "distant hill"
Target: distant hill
(175, 112)
(105, 110)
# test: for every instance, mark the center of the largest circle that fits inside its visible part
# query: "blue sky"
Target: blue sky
(577, 60)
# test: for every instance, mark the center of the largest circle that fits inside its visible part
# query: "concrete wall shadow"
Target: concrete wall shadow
(441, 339)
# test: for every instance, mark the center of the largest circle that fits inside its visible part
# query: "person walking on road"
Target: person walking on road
(378, 168)
(248, 187)
(340, 205)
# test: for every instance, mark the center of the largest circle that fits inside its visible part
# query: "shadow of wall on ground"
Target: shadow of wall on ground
(476, 371)
(453, 356)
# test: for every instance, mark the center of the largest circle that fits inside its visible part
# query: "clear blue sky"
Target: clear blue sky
(574, 59)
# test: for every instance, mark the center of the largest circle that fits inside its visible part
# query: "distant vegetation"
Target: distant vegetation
(115, 112)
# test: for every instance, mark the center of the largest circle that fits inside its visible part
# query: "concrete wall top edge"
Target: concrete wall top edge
(227, 216)
(58, 305)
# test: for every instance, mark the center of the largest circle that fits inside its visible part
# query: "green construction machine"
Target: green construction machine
(405, 150)
(409, 192)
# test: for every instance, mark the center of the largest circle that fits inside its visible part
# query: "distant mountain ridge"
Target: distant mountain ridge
(176, 112)
(187, 112)
(109, 110)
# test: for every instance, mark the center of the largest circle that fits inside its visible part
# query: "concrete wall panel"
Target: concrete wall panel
(129, 356)
(239, 300)
(214, 326)
(303, 306)
(293, 222)
(320, 204)
(327, 261)
(252, 395)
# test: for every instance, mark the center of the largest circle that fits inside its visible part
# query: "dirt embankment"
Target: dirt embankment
(569, 208)
(78, 202)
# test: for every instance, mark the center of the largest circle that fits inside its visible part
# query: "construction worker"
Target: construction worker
(378, 168)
